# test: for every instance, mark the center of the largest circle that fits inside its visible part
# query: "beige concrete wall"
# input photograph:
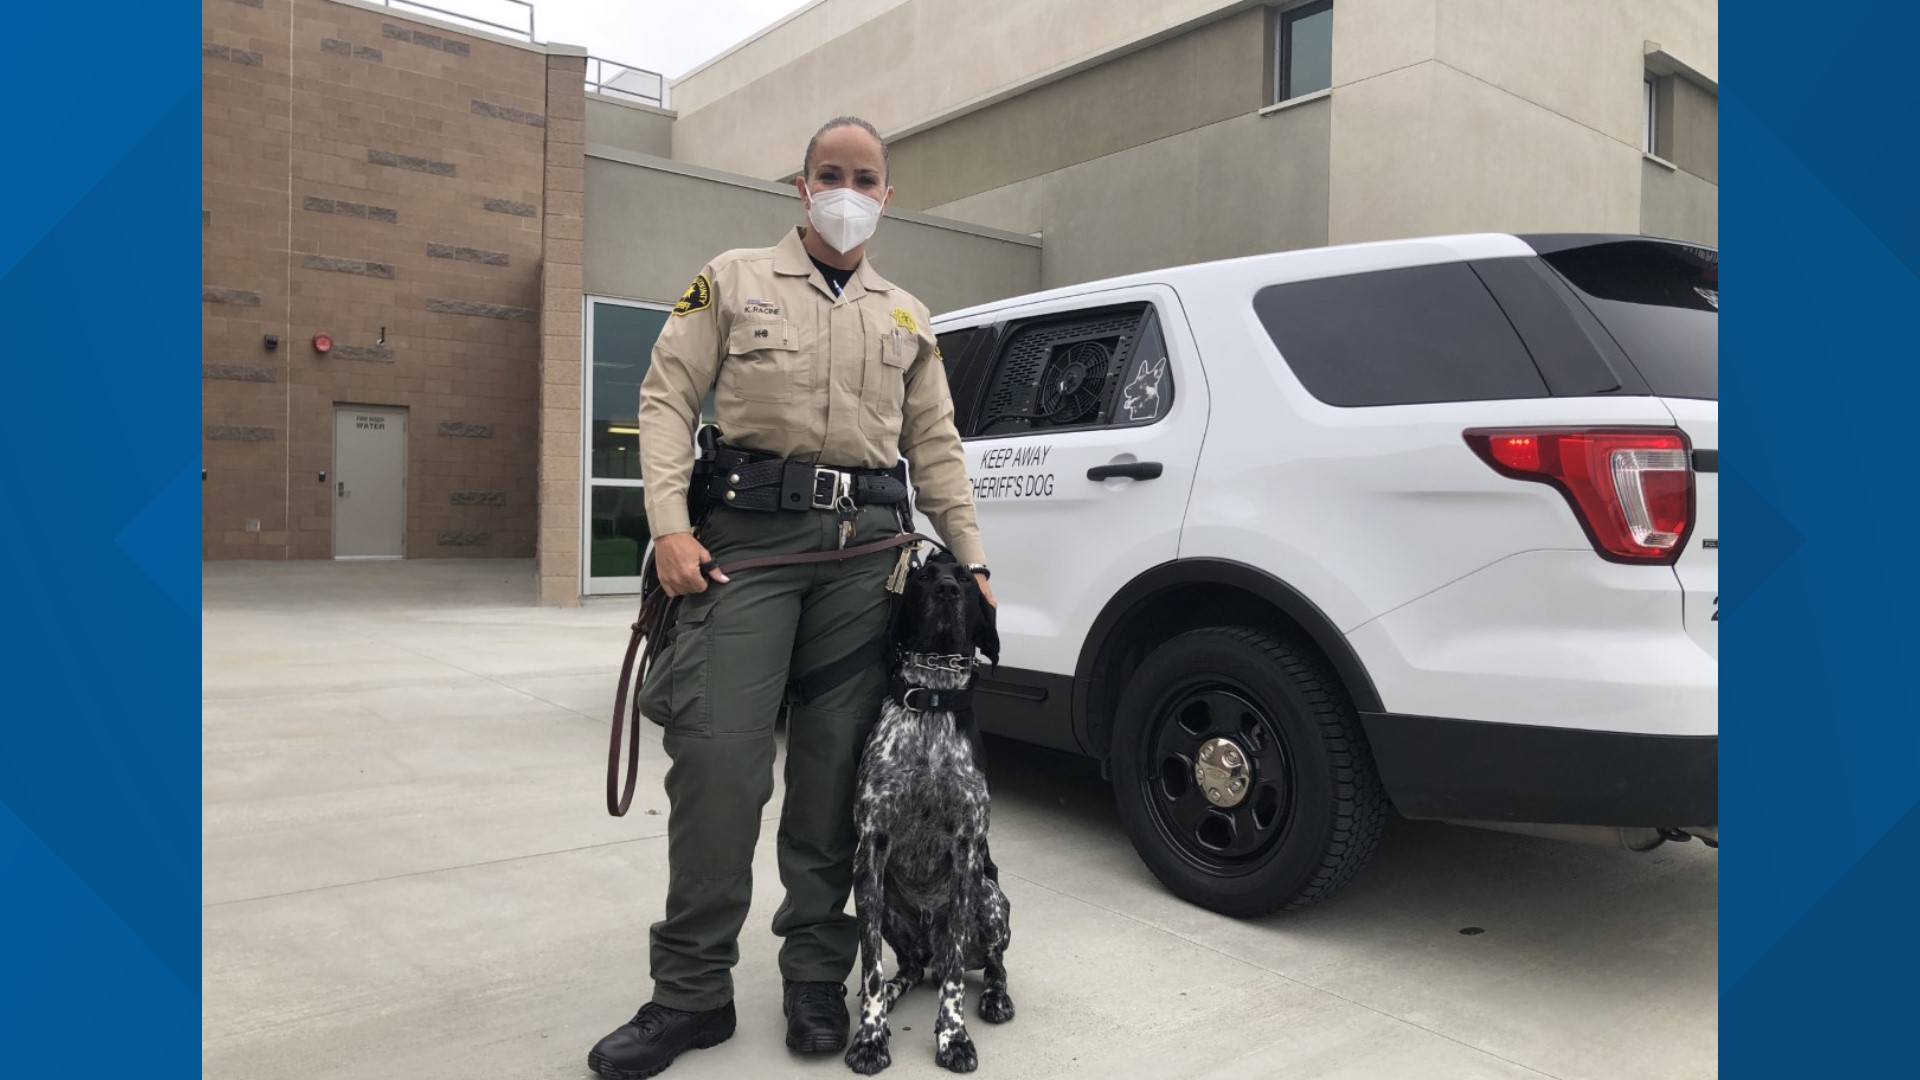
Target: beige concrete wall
(804, 30)
(1580, 59)
(1374, 37)
(1527, 115)
(1689, 30)
(1445, 114)
(907, 65)
(1690, 128)
(642, 129)
(1196, 79)
(1430, 149)
(1244, 186)
(1676, 204)
(655, 223)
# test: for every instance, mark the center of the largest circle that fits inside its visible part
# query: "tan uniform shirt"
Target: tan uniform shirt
(851, 382)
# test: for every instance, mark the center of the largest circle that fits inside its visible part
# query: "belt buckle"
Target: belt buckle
(832, 489)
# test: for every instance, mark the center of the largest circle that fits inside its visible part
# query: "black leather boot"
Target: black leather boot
(816, 1016)
(648, 1043)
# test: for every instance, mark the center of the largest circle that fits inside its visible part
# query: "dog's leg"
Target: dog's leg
(868, 1054)
(953, 1046)
(996, 931)
(909, 976)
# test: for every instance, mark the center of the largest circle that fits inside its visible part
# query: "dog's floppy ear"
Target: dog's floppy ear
(986, 633)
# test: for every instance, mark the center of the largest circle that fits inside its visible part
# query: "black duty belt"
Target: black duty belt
(747, 480)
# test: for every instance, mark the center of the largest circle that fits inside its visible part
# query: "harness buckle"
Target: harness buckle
(832, 489)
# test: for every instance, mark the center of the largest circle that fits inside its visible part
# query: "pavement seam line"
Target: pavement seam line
(769, 819)
(489, 678)
(444, 869)
(1280, 975)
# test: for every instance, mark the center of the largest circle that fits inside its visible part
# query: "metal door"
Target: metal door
(369, 482)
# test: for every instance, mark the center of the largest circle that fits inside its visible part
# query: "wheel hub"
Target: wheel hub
(1222, 772)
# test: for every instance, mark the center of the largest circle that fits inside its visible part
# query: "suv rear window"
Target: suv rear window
(1661, 303)
(1411, 336)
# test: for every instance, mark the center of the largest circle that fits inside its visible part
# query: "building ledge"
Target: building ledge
(1662, 62)
(659, 164)
(1660, 161)
(427, 18)
(629, 103)
(1282, 106)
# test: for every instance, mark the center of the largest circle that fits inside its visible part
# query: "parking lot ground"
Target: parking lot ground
(410, 873)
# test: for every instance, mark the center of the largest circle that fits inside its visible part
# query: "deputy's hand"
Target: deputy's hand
(986, 591)
(677, 557)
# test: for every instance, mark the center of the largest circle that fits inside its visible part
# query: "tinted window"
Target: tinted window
(1305, 50)
(953, 347)
(622, 345)
(1398, 337)
(1661, 302)
(967, 354)
(1573, 352)
(1076, 371)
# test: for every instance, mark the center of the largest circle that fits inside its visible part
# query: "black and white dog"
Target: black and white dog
(923, 880)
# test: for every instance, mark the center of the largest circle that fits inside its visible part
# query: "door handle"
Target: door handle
(343, 489)
(1133, 470)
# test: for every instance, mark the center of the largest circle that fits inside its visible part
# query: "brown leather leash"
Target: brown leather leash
(653, 623)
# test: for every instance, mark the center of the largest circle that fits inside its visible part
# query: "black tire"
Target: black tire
(1311, 808)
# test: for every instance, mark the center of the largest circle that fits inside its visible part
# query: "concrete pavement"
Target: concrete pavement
(409, 873)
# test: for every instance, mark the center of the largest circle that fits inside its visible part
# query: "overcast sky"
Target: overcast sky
(669, 36)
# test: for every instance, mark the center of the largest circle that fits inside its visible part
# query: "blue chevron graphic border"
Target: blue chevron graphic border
(1820, 766)
(100, 767)
(99, 781)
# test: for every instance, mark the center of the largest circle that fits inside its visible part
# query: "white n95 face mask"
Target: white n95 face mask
(844, 217)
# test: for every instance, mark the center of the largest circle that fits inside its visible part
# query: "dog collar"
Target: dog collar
(942, 661)
(928, 699)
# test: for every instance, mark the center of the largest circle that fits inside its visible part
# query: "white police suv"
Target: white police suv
(1290, 539)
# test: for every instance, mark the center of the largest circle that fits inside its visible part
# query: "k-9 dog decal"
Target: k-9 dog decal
(1141, 398)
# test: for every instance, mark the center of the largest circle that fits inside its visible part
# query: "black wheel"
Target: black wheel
(1241, 773)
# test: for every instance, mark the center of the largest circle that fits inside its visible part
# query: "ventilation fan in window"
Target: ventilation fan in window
(1071, 389)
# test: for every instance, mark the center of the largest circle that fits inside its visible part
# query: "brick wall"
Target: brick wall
(367, 173)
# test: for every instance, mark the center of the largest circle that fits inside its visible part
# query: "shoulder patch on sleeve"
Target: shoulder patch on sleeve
(698, 297)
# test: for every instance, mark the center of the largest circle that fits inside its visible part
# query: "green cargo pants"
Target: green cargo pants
(717, 689)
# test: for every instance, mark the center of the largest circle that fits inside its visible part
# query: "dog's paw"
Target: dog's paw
(958, 1054)
(996, 1007)
(868, 1054)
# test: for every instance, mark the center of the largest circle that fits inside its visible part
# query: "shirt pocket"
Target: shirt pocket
(761, 363)
(889, 353)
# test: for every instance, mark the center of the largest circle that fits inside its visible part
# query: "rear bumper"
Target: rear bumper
(1464, 770)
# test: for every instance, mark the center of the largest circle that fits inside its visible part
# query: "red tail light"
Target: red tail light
(1631, 490)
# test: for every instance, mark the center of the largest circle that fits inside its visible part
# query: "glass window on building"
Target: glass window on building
(620, 337)
(1303, 50)
(1649, 116)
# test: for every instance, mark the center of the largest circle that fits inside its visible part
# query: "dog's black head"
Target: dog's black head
(944, 612)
